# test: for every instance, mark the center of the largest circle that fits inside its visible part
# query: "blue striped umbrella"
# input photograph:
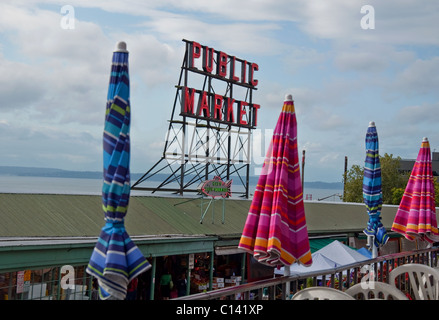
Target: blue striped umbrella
(372, 193)
(116, 260)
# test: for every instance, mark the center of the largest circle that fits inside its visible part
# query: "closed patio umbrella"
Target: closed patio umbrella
(275, 231)
(372, 194)
(116, 260)
(416, 214)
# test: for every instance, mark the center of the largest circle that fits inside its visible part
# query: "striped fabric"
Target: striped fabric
(372, 194)
(275, 231)
(416, 215)
(116, 260)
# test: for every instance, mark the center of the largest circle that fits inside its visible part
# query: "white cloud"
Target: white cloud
(21, 87)
(338, 73)
(420, 77)
(153, 61)
(419, 115)
(361, 61)
(63, 72)
(330, 20)
(37, 145)
(396, 22)
(304, 57)
(234, 38)
(325, 119)
(407, 22)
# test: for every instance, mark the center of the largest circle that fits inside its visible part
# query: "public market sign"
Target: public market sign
(216, 188)
(208, 105)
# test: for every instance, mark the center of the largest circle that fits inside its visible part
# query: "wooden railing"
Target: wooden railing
(282, 287)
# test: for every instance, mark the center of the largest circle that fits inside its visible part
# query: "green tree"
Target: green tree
(397, 194)
(353, 191)
(436, 191)
(391, 178)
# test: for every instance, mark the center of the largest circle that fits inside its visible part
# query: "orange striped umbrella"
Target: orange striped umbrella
(275, 231)
(416, 215)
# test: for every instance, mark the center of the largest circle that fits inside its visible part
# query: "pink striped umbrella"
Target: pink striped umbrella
(275, 231)
(416, 215)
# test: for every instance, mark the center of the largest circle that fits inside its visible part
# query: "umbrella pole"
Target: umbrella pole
(287, 273)
(374, 251)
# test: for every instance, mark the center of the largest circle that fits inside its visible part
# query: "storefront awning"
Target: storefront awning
(222, 251)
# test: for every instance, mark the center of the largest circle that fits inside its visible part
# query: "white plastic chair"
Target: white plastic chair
(321, 293)
(422, 280)
(374, 290)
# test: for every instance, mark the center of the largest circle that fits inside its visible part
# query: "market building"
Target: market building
(47, 240)
(406, 165)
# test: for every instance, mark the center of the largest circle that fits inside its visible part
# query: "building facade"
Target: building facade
(46, 241)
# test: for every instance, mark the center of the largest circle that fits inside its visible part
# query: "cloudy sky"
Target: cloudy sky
(342, 67)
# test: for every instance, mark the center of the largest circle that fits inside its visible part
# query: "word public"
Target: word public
(212, 106)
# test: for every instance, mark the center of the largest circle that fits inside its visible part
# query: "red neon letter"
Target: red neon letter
(232, 69)
(203, 106)
(194, 54)
(243, 71)
(207, 59)
(188, 101)
(221, 64)
(252, 81)
(256, 107)
(229, 110)
(217, 106)
(241, 112)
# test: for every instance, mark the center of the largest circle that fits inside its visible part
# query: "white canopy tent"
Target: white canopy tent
(341, 253)
(319, 263)
(335, 254)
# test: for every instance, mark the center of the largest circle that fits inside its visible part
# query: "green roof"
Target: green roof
(50, 215)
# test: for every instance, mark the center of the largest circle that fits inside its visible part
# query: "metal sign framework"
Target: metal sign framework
(197, 147)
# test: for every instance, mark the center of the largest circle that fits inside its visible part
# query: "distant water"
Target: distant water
(25, 184)
(54, 185)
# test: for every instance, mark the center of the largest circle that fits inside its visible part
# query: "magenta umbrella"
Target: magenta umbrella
(275, 231)
(416, 215)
